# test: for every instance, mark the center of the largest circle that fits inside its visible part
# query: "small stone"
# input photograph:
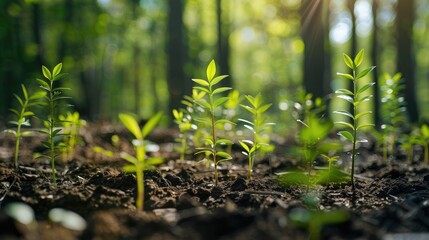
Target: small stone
(216, 192)
(173, 179)
(239, 184)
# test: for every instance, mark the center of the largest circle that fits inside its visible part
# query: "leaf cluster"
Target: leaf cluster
(211, 101)
(355, 97)
(258, 125)
(139, 162)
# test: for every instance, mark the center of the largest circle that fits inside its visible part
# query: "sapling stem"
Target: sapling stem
(355, 98)
(210, 105)
(52, 98)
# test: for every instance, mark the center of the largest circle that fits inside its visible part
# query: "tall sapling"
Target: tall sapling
(356, 98)
(210, 104)
(53, 95)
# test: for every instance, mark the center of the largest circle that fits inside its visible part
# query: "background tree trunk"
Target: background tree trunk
(374, 58)
(178, 84)
(135, 6)
(222, 41)
(313, 35)
(405, 61)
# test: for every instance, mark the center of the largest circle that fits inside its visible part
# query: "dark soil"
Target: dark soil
(181, 201)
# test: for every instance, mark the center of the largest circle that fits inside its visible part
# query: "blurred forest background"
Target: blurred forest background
(140, 55)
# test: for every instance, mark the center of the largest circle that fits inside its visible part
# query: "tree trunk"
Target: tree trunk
(222, 41)
(40, 59)
(374, 59)
(136, 60)
(353, 43)
(178, 84)
(405, 60)
(313, 35)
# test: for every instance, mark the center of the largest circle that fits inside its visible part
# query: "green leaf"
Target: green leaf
(365, 87)
(151, 124)
(223, 142)
(201, 89)
(220, 90)
(347, 98)
(346, 124)
(223, 155)
(365, 125)
(245, 121)
(346, 135)
(263, 108)
(57, 69)
(359, 58)
(201, 82)
(362, 114)
(345, 114)
(346, 75)
(348, 61)
(250, 128)
(220, 101)
(46, 73)
(244, 145)
(248, 108)
(131, 124)
(425, 130)
(24, 92)
(129, 168)
(217, 79)
(205, 151)
(223, 121)
(10, 131)
(37, 95)
(19, 100)
(129, 158)
(154, 161)
(26, 133)
(364, 72)
(61, 89)
(211, 70)
(46, 144)
(59, 76)
(15, 112)
(43, 83)
(344, 91)
(27, 114)
(363, 99)
(203, 103)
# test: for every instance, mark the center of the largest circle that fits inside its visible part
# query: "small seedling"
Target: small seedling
(407, 144)
(22, 116)
(210, 103)
(193, 109)
(356, 98)
(258, 125)
(393, 110)
(314, 221)
(422, 138)
(139, 163)
(184, 122)
(71, 125)
(330, 160)
(52, 128)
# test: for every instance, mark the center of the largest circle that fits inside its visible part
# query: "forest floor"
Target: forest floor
(391, 200)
